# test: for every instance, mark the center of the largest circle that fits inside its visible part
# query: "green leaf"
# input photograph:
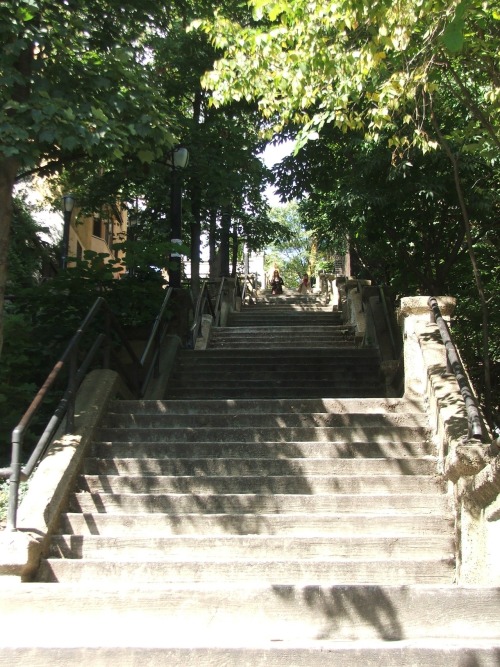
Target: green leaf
(145, 156)
(70, 143)
(99, 114)
(453, 37)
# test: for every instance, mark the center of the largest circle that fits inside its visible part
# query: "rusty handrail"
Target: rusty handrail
(204, 299)
(218, 302)
(16, 473)
(473, 415)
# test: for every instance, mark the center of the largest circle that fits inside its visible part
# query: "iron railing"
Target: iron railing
(204, 305)
(142, 369)
(455, 366)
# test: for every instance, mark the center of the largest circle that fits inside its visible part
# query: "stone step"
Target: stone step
(365, 373)
(283, 420)
(350, 354)
(290, 309)
(270, 311)
(314, 571)
(259, 503)
(341, 434)
(274, 653)
(279, 316)
(301, 334)
(293, 332)
(288, 304)
(267, 370)
(258, 466)
(230, 376)
(263, 617)
(274, 380)
(246, 376)
(264, 547)
(271, 307)
(298, 406)
(329, 524)
(278, 343)
(270, 450)
(269, 392)
(291, 483)
(316, 341)
(285, 356)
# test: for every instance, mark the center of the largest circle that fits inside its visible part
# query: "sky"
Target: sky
(271, 156)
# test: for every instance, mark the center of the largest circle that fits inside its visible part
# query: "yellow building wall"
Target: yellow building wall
(98, 234)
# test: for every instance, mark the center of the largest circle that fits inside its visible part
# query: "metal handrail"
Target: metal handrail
(244, 289)
(473, 415)
(218, 302)
(66, 407)
(204, 300)
(156, 338)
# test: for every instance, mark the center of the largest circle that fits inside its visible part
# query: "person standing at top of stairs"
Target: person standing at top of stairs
(304, 285)
(276, 283)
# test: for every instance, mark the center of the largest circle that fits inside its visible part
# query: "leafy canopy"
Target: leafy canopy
(72, 76)
(351, 63)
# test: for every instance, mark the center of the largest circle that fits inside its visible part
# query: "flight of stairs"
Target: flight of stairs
(253, 525)
(286, 347)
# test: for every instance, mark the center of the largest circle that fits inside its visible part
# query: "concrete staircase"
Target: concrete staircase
(273, 528)
(286, 347)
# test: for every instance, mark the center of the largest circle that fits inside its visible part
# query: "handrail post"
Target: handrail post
(14, 480)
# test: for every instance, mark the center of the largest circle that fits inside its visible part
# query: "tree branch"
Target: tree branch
(477, 274)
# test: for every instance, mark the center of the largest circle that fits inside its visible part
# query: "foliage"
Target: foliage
(41, 319)
(4, 499)
(354, 65)
(76, 81)
(31, 257)
(291, 253)
(403, 220)
(74, 77)
(404, 225)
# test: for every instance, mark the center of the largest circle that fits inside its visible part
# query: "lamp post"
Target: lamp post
(68, 205)
(132, 222)
(178, 159)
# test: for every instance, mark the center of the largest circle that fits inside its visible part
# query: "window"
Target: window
(97, 227)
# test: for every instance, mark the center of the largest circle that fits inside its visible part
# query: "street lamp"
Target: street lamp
(178, 159)
(68, 205)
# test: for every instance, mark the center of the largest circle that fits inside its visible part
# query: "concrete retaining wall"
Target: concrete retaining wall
(472, 470)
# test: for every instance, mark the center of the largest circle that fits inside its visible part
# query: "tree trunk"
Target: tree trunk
(224, 241)
(8, 171)
(195, 239)
(196, 211)
(212, 243)
(234, 251)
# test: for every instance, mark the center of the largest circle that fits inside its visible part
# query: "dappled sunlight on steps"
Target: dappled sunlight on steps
(275, 509)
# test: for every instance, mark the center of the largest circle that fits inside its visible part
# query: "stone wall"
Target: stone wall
(470, 467)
